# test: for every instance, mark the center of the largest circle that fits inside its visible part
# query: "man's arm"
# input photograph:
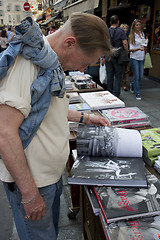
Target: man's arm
(13, 156)
(125, 45)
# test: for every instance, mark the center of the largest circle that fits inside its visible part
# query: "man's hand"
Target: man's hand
(97, 120)
(36, 208)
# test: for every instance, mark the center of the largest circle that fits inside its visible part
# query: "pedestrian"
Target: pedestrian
(137, 54)
(43, 31)
(3, 40)
(125, 65)
(11, 34)
(34, 130)
(52, 29)
(115, 70)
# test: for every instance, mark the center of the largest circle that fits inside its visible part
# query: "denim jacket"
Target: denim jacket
(50, 79)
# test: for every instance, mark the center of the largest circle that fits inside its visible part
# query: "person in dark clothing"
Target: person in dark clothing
(114, 70)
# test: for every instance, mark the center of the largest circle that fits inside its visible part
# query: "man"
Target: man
(31, 172)
(115, 70)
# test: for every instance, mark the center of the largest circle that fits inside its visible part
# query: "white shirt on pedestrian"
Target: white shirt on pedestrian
(137, 55)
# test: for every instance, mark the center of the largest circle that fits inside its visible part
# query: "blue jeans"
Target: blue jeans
(47, 227)
(114, 76)
(138, 71)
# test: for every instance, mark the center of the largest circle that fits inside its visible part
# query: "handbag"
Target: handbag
(103, 73)
(147, 61)
(123, 57)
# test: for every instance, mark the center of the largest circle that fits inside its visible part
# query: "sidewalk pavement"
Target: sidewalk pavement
(72, 229)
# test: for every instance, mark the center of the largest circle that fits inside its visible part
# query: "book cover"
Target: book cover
(151, 142)
(147, 228)
(108, 171)
(130, 203)
(79, 106)
(101, 100)
(124, 115)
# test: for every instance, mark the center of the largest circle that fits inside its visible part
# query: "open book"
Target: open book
(109, 157)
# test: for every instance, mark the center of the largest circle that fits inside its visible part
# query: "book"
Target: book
(134, 125)
(79, 106)
(157, 164)
(122, 116)
(151, 142)
(68, 84)
(108, 171)
(101, 100)
(93, 200)
(150, 160)
(74, 97)
(109, 157)
(130, 203)
(147, 228)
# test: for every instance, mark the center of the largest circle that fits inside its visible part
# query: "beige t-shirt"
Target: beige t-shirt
(48, 151)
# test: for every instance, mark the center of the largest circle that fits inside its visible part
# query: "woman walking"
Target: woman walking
(137, 54)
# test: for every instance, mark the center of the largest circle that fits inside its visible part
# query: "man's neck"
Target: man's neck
(114, 25)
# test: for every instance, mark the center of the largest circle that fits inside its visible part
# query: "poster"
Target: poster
(156, 32)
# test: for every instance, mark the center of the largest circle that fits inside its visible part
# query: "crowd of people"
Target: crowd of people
(131, 39)
(7, 35)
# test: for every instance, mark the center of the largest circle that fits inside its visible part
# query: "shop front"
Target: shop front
(148, 12)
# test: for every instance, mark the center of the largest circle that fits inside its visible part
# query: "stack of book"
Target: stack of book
(131, 117)
(101, 100)
(147, 228)
(68, 84)
(79, 76)
(128, 213)
(151, 145)
(74, 97)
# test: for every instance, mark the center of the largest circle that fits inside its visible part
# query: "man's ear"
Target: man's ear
(70, 41)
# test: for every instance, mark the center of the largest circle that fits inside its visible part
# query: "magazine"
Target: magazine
(130, 203)
(101, 100)
(109, 157)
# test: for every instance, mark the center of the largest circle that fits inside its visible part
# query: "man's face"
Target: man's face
(76, 59)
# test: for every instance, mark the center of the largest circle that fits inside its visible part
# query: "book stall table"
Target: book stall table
(93, 228)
